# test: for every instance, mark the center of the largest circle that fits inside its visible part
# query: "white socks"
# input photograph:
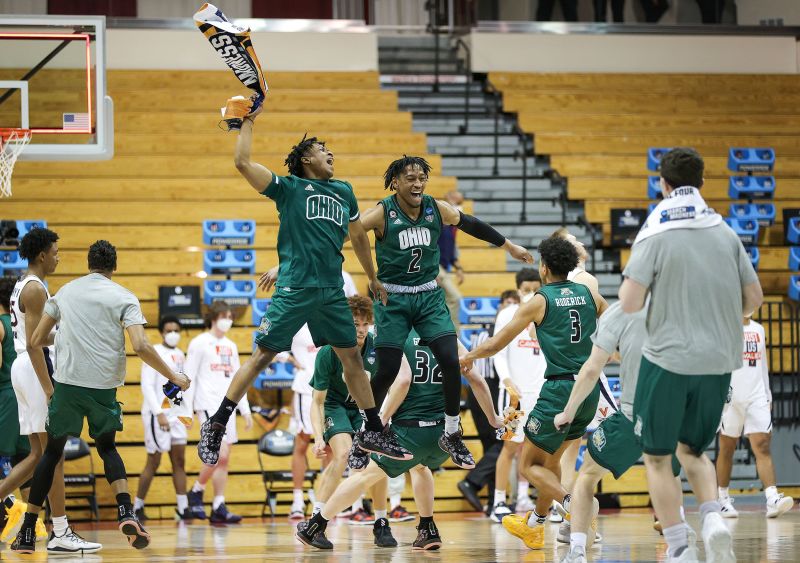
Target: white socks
(451, 423)
(218, 500)
(318, 506)
(499, 496)
(60, 525)
(535, 519)
(722, 493)
(380, 514)
(138, 503)
(771, 493)
(576, 539)
(183, 502)
(358, 505)
(198, 487)
(395, 500)
(676, 537)
(522, 489)
(298, 497)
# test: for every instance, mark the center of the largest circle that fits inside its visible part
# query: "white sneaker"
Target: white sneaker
(689, 555)
(525, 504)
(555, 517)
(778, 505)
(71, 542)
(498, 511)
(576, 555)
(728, 511)
(717, 539)
(297, 513)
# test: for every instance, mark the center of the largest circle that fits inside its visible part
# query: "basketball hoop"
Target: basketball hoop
(12, 143)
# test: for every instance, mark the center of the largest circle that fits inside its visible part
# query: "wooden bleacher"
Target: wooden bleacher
(174, 168)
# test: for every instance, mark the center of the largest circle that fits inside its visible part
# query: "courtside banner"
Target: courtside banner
(234, 45)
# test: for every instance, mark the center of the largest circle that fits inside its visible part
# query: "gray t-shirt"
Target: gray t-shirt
(93, 313)
(695, 276)
(616, 330)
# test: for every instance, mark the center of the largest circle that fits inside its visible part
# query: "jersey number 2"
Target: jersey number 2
(422, 369)
(416, 256)
(575, 336)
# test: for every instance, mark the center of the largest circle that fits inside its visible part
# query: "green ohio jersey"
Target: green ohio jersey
(9, 355)
(425, 398)
(565, 333)
(314, 219)
(408, 252)
(328, 374)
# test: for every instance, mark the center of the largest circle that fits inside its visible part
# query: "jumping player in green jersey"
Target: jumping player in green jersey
(335, 419)
(407, 225)
(565, 314)
(415, 405)
(317, 213)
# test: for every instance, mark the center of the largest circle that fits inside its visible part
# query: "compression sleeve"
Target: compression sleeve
(480, 230)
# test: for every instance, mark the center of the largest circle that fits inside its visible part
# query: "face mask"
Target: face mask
(224, 325)
(171, 339)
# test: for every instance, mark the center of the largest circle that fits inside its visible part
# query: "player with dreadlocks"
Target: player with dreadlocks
(407, 226)
(317, 212)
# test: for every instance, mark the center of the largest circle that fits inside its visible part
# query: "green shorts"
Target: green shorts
(341, 420)
(325, 310)
(422, 441)
(11, 443)
(71, 403)
(669, 408)
(553, 397)
(426, 312)
(614, 446)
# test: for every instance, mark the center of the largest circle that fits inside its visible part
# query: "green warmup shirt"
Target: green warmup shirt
(565, 333)
(408, 252)
(425, 398)
(314, 219)
(328, 374)
(9, 355)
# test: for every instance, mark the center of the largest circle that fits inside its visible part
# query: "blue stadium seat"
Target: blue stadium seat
(794, 288)
(229, 232)
(478, 310)
(746, 230)
(793, 230)
(751, 187)
(794, 258)
(764, 213)
(466, 336)
(651, 207)
(11, 264)
(258, 309)
(234, 292)
(743, 159)
(654, 155)
(27, 225)
(227, 262)
(755, 256)
(654, 187)
(279, 376)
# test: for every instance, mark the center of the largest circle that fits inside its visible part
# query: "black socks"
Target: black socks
(372, 420)
(124, 500)
(223, 414)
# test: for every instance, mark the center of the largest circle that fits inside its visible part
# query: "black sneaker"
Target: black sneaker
(221, 515)
(383, 533)
(357, 459)
(140, 514)
(186, 515)
(211, 434)
(25, 542)
(314, 538)
(383, 443)
(453, 444)
(130, 526)
(196, 504)
(427, 538)
(470, 493)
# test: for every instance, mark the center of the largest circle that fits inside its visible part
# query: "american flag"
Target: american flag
(76, 122)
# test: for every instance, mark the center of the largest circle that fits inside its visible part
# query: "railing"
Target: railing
(781, 321)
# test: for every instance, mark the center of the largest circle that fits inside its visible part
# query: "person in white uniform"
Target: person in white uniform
(31, 376)
(748, 411)
(211, 361)
(520, 367)
(164, 431)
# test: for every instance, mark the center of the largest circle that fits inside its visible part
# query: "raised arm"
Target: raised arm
(361, 246)
(481, 231)
(148, 354)
(256, 174)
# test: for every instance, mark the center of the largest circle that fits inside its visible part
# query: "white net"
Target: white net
(12, 143)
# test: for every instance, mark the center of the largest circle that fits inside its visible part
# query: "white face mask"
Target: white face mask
(224, 325)
(171, 339)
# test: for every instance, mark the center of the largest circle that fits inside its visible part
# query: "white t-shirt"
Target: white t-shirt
(305, 352)
(755, 369)
(153, 384)
(522, 360)
(349, 285)
(211, 363)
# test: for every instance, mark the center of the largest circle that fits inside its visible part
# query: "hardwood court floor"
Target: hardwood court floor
(628, 536)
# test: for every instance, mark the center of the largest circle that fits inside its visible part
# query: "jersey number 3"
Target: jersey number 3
(416, 256)
(423, 371)
(575, 335)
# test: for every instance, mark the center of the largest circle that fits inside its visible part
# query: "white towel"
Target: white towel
(683, 208)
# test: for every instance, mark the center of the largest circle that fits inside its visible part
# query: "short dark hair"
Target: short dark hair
(559, 255)
(165, 320)
(35, 242)
(682, 166)
(527, 274)
(102, 256)
(509, 294)
(294, 160)
(7, 284)
(398, 166)
(214, 311)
